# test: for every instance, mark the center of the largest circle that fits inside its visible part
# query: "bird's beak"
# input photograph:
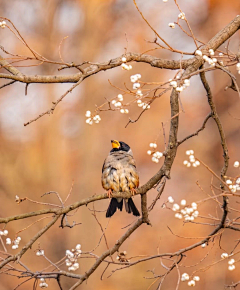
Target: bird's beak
(115, 144)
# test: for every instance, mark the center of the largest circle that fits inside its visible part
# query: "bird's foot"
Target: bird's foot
(109, 193)
(133, 191)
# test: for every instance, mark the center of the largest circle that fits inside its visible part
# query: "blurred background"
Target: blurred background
(52, 152)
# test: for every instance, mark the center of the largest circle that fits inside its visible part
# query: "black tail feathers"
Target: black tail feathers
(129, 206)
(114, 204)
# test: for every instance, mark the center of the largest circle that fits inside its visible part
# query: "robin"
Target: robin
(119, 173)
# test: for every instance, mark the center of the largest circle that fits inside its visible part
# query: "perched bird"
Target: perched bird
(119, 174)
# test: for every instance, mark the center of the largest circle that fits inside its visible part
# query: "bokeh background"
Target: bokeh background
(52, 152)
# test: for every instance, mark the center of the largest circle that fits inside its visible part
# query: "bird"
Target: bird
(119, 174)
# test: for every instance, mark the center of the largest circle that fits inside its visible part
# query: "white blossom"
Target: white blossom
(185, 277)
(181, 15)
(231, 267)
(136, 86)
(236, 164)
(88, 114)
(198, 52)
(175, 207)
(171, 24)
(187, 82)
(191, 283)
(8, 241)
(40, 253)
(224, 255)
(178, 215)
(183, 202)
(232, 261)
(195, 214)
(194, 205)
(120, 97)
(124, 66)
(173, 84)
(211, 51)
(43, 285)
(3, 24)
(69, 254)
(154, 159)
(196, 278)
(124, 59)
(170, 199)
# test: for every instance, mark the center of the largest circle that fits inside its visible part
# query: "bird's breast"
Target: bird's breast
(119, 173)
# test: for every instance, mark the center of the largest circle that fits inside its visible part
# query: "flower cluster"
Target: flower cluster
(121, 257)
(233, 185)
(135, 80)
(180, 87)
(181, 16)
(43, 284)
(4, 233)
(231, 266)
(124, 65)
(143, 105)
(156, 155)
(188, 212)
(231, 262)
(117, 103)
(185, 277)
(3, 24)
(136, 86)
(72, 256)
(92, 118)
(209, 60)
(192, 161)
(15, 243)
(238, 67)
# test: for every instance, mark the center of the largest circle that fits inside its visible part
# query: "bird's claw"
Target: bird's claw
(133, 191)
(109, 193)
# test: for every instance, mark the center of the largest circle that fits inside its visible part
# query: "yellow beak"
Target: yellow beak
(115, 144)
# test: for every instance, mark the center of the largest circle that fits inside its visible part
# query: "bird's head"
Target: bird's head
(119, 146)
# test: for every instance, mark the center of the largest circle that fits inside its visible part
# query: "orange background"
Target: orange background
(50, 153)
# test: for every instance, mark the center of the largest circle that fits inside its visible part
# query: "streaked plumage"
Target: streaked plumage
(119, 174)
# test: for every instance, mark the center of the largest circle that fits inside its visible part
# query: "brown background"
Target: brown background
(50, 153)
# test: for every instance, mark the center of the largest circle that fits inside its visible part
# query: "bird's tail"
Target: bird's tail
(113, 206)
(131, 207)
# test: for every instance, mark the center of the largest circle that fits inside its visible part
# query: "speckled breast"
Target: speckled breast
(119, 172)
